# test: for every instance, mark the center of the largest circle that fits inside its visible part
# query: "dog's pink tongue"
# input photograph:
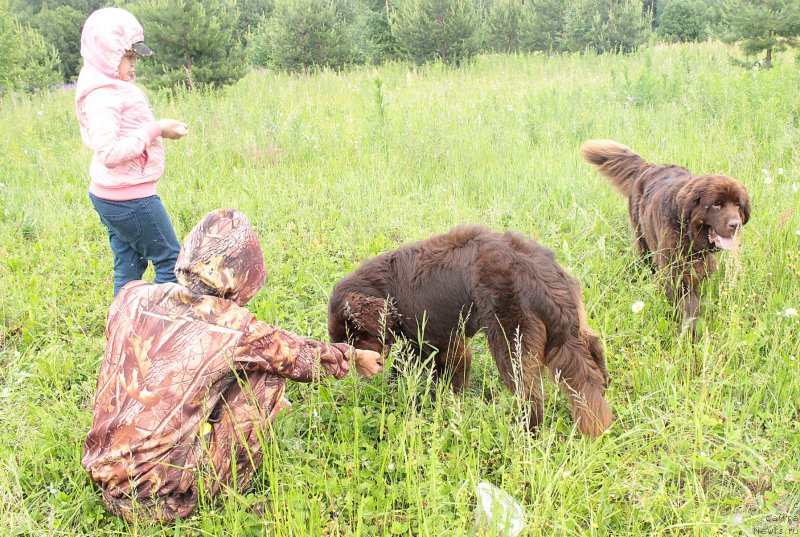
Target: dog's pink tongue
(725, 243)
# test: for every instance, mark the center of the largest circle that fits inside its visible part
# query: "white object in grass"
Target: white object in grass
(497, 512)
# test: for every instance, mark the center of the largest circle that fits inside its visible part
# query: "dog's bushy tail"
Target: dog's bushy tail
(615, 161)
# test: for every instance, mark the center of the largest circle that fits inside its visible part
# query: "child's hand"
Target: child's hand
(368, 363)
(173, 129)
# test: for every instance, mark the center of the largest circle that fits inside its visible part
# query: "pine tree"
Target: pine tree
(604, 25)
(510, 26)
(767, 26)
(547, 24)
(372, 37)
(437, 30)
(576, 35)
(27, 62)
(302, 34)
(252, 13)
(194, 43)
(625, 26)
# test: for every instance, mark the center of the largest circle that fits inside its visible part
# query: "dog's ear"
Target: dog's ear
(744, 204)
(688, 200)
(376, 316)
(592, 343)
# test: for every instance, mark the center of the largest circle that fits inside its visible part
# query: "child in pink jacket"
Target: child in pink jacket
(117, 124)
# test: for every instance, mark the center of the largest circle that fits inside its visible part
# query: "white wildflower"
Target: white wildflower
(790, 312)
(636, 307)
(780, 171)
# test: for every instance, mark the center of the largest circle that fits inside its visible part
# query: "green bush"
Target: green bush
(510, 26)
(604, 25)
(683, 20)
(437, 30)
(547, 24)
(252, 14)
(302, 34)
(625, 26)
(370, 36)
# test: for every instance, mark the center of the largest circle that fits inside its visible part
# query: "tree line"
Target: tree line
(215, 42)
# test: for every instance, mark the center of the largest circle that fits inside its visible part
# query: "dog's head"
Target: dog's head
(364, 321)
(713, 208)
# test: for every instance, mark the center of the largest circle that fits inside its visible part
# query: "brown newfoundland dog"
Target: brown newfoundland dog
(438, 293)
(679, 220)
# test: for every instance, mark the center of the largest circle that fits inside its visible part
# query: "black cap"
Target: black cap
(141, 49)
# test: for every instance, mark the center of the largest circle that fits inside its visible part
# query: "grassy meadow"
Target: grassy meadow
(335, 168)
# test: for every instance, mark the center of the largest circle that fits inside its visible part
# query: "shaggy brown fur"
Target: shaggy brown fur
(445, 289)
(679, 220)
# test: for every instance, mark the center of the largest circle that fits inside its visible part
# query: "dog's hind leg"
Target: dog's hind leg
(578, 366)
(518, 351)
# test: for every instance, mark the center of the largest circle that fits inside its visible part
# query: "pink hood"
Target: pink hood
(106, 35)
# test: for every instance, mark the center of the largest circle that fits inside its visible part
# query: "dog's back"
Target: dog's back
(463, 278)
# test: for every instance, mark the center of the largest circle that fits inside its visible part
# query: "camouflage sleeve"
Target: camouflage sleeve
(267, 348)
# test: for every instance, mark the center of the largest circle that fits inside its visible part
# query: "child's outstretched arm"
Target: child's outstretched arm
(271, 349)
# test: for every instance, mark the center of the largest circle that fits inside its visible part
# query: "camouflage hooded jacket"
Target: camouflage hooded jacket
(190, 378)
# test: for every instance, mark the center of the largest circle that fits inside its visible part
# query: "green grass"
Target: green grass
(335, 168)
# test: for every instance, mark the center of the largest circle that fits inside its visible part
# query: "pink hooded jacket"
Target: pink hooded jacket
(114, 115)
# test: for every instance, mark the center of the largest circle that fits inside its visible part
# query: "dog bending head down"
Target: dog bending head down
(449, 287)
(679, 220)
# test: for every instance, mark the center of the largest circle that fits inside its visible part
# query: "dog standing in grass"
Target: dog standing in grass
(445, 289)
(679, 220)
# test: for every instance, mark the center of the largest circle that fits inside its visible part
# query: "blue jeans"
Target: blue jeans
(139, 230)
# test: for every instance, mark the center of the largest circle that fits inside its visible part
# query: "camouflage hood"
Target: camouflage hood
(221, 257)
